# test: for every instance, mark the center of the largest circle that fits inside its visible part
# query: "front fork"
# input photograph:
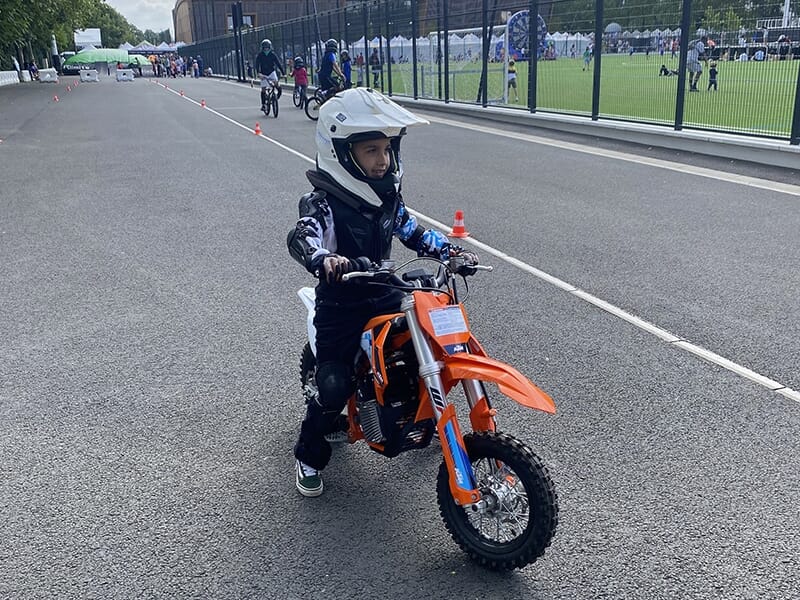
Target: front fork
(463, 486)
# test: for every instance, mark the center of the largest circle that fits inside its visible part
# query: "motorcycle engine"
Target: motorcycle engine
(400, 404)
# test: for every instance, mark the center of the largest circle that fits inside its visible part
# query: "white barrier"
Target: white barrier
(25, 75)
(89, 75)
(8, 77)
(124, 74)
(48, 75)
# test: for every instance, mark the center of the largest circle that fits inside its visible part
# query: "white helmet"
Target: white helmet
(355, 115)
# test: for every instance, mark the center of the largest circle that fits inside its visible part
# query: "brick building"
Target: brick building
(197, 20)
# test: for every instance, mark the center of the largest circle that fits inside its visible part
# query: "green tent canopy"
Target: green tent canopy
(91, 56)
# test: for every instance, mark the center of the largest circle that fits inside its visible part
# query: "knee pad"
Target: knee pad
(335, 385)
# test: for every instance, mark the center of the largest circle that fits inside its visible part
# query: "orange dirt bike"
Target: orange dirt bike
(495, 495)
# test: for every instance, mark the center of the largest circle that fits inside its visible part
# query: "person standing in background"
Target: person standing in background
(375, 67)
(347, 69)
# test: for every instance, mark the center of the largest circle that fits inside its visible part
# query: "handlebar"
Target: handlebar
(456, 265)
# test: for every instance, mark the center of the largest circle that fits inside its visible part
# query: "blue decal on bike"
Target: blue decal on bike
(465, 479)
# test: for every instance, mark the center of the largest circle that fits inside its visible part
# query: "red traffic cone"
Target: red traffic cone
(69, 89)
(166, 87)
(181, 92)
(459, 231)
(55, 98)
(258, 128)
(203, 102)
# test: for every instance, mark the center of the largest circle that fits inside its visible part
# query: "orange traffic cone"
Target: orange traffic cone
(181, 92)
(459, 231)
(258, 128)
(203, 103)
(69, 89)
(55, 98)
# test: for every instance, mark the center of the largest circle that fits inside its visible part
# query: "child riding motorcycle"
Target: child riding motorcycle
(345, 224)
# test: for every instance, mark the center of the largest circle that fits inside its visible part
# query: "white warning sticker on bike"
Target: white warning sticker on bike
(447, 321)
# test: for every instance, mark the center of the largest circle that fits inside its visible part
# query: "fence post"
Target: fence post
(365, 11)
(446, 58)
(414, 33)
(599, 11)
(388, 48)
(533, 53)
(483, 93)
(680, 99)
(794, 139)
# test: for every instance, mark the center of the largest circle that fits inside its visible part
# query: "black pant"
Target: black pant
(339, 325)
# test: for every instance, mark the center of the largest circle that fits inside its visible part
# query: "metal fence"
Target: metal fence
(602, 60)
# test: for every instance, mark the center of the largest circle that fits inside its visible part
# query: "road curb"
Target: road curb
(775, 153)
(764, 151)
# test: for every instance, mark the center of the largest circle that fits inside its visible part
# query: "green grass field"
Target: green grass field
(753, 97)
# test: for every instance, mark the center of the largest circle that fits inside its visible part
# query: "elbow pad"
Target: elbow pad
(300, 249)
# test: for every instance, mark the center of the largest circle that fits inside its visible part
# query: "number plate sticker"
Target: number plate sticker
(447, 321)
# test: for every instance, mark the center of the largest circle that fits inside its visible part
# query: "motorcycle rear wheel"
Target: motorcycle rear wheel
(308, 373)
(521, 526)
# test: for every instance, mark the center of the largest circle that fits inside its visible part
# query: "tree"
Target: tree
(26, 27)
(158, 37)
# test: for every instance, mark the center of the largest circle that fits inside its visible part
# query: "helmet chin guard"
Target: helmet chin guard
(355, 115)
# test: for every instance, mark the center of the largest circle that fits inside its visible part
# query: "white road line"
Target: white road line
(674, 340)
(245, 127)
(773, 186)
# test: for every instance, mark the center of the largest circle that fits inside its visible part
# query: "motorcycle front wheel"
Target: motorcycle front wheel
(521, 515)
(312, 108)
(275, 106)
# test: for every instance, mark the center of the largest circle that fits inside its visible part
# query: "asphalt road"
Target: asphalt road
(150, 338)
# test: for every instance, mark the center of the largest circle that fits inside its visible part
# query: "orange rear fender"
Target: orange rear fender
(511, 382)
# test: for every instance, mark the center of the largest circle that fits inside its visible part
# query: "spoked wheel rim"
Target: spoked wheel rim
(517, 515)
(509, 517)
(308, 374)
(312, 108)
(297, 99)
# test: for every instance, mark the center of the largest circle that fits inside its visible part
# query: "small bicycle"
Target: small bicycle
(318, 99)
(299, 96)
(271, 104)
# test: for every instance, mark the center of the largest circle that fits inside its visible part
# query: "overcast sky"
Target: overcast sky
(146, 14)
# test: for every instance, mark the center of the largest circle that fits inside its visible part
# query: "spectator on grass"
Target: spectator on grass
(512, 78)
(360, 70)
(712, 75)
(587, 57)
(375, 66)
(697, 53)
(347, 69)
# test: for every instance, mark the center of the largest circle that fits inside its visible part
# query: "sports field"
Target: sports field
(752, 97)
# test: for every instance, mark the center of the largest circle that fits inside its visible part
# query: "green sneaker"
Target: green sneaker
(308, 480)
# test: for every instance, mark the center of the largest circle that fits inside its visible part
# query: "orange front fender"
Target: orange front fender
(511, 382)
